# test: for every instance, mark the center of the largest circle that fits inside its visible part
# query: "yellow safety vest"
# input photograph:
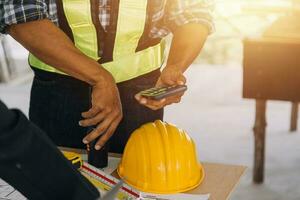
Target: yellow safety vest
(126, 61)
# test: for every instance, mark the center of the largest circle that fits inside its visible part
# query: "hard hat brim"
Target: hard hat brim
(167, 191)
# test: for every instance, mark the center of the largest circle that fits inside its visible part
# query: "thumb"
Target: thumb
(181, 80)
(167, 79)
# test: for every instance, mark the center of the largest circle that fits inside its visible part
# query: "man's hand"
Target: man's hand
(106, 112)
(170, 76)
(187, 42)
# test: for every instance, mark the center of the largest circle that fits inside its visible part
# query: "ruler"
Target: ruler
(105, 182)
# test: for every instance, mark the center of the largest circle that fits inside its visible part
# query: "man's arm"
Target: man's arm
(43, 39)
(32, 164)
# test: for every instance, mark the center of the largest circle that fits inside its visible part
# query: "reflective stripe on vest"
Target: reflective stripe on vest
(127, 63)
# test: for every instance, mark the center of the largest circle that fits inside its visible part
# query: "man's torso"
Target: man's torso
(158, 9)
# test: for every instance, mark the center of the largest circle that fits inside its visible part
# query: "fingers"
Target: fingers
(181, 80)
(140, 99)
(166, 103)
(171, 77)
(144, 101)
(99, 130)
(113, 126)
(152, 104)
(175, 99)
(94, 120)
(105, 128)
(155, 104)
(91, 112)
(168, 80)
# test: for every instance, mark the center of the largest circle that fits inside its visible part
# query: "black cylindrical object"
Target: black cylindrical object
(98, 158)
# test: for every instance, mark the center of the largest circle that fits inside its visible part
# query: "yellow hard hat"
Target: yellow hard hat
(160, 158)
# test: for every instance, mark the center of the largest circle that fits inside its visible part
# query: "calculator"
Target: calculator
(158, 93)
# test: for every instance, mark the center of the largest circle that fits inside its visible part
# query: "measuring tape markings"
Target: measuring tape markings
(109, 180)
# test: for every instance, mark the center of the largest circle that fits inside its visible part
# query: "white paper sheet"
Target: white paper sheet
(175, 197)
(7, 192)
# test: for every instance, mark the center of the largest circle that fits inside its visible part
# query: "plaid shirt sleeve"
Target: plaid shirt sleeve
(16, 11)
(180, 12)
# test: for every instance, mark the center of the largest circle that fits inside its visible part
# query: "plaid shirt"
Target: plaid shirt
(16, 11)
(168, 15)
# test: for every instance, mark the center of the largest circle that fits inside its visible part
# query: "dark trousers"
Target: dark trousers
(57, 102)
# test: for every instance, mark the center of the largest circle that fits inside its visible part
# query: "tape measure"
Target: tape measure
(74, 158)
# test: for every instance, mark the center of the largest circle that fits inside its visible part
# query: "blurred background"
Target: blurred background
(214, 111)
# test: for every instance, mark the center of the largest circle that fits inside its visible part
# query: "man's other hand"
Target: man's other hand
(169, 76)
(106, 111)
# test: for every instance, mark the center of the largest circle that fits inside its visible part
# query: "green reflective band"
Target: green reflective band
(131, 23)
(78, 14)
(35, 62)
(132, 66)
(125, 68)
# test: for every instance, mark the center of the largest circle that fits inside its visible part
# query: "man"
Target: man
(29, 161)
(54, 48)
(125, 37)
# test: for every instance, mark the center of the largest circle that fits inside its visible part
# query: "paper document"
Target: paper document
(7, 192)
(175, 197)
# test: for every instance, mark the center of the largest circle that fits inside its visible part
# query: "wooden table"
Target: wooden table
(271, 72)
(219, 182)
(220, 179)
